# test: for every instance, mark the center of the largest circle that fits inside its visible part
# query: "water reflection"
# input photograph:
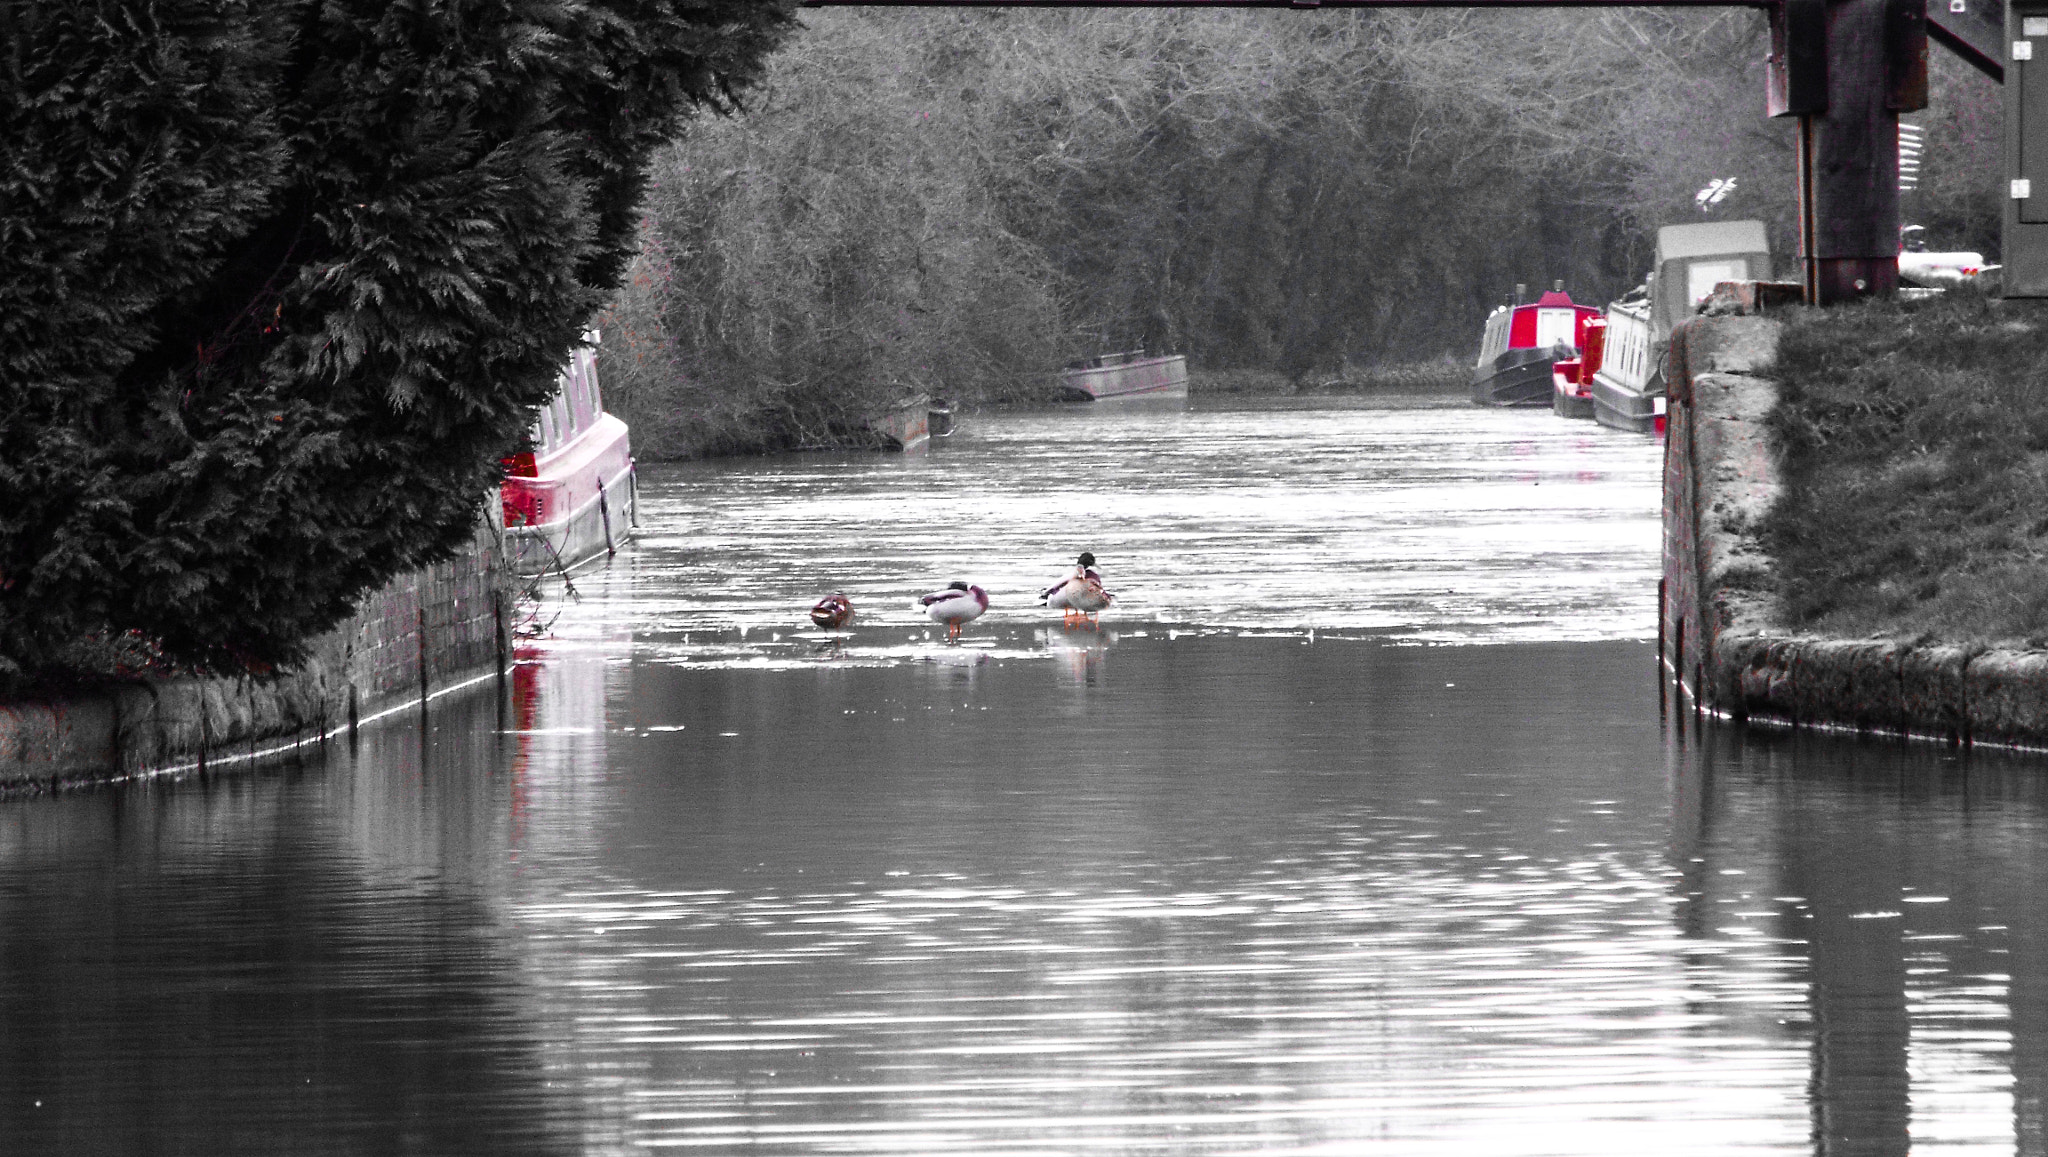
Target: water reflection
(294, 962)
(1904, 874)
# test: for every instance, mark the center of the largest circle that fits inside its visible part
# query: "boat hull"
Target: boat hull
(1615, 405)
(907, 428)
(1143, 376)
(579, 506)
(1571, 405)
(1517, 377)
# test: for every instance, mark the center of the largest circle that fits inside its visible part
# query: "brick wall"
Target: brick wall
(427, 633)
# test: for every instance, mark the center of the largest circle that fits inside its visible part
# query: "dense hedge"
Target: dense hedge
(281, 279)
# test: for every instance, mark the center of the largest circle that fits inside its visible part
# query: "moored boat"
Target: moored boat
(571, 498)
(1520, 343)
(1692, 259)
(906, 426)
(1572, 378)
(1628, 384)
(1125, 374)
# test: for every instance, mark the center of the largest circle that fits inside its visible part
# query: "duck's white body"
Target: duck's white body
(1076, 593)
(1080, 594)
(956, 605)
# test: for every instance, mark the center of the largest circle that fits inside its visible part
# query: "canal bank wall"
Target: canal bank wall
(426, 634)
(1716, 636)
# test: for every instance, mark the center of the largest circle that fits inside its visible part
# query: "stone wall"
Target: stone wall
(426, 634)
(1715, 631)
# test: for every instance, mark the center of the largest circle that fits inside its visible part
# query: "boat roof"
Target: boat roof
(1554, 299)
(1711, 239)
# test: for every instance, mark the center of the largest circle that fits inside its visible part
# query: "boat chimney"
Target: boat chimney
(1558, 285)
(1521, 291)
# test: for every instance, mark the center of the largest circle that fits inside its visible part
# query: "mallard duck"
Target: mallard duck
(833, 611)
(1080, 593)
(959, 603)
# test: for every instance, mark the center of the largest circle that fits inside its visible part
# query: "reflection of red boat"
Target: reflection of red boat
(1518, 345)
(571, 497)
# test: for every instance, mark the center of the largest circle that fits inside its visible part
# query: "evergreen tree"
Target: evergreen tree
(280, 280)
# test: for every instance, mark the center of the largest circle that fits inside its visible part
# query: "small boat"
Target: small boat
(1519, 344)
(1628, 382)
(1571, 379)
(1125, 374)
(938, 416)
(572, 497)
(906, 426)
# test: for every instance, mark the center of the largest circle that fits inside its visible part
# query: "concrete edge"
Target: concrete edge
(1949, 693)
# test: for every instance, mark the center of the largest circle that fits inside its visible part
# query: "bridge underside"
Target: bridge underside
(1845, 68)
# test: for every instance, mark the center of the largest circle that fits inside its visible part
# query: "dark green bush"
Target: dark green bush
(280, 282)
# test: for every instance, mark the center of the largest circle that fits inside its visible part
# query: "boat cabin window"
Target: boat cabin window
(1556, 325)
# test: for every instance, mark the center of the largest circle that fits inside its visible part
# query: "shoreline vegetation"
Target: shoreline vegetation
(269, 375)
(1912, 439)
(956, 203)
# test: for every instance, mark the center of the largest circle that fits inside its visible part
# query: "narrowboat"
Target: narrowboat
(1571, 379)
(1121, 375)
(906, 426)
(1519, 344)
(1693, 259)
(571, 498)
(1628, 384)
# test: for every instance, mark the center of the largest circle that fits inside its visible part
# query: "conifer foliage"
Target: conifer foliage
(280, 280)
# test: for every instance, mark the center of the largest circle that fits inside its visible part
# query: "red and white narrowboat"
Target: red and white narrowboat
(1126, 374)
(571, 498)
(1519, 344)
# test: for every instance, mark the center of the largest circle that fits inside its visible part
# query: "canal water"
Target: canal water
(1354, 827)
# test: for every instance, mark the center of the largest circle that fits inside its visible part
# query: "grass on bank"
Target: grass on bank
(1914, 442)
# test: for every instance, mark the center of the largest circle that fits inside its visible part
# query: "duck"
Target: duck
(833, 611)
(958, 604)
(1079, 593)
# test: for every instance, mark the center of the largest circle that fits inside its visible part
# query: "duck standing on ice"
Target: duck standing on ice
(1080, 593)
(959, 603)
(833, 611)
